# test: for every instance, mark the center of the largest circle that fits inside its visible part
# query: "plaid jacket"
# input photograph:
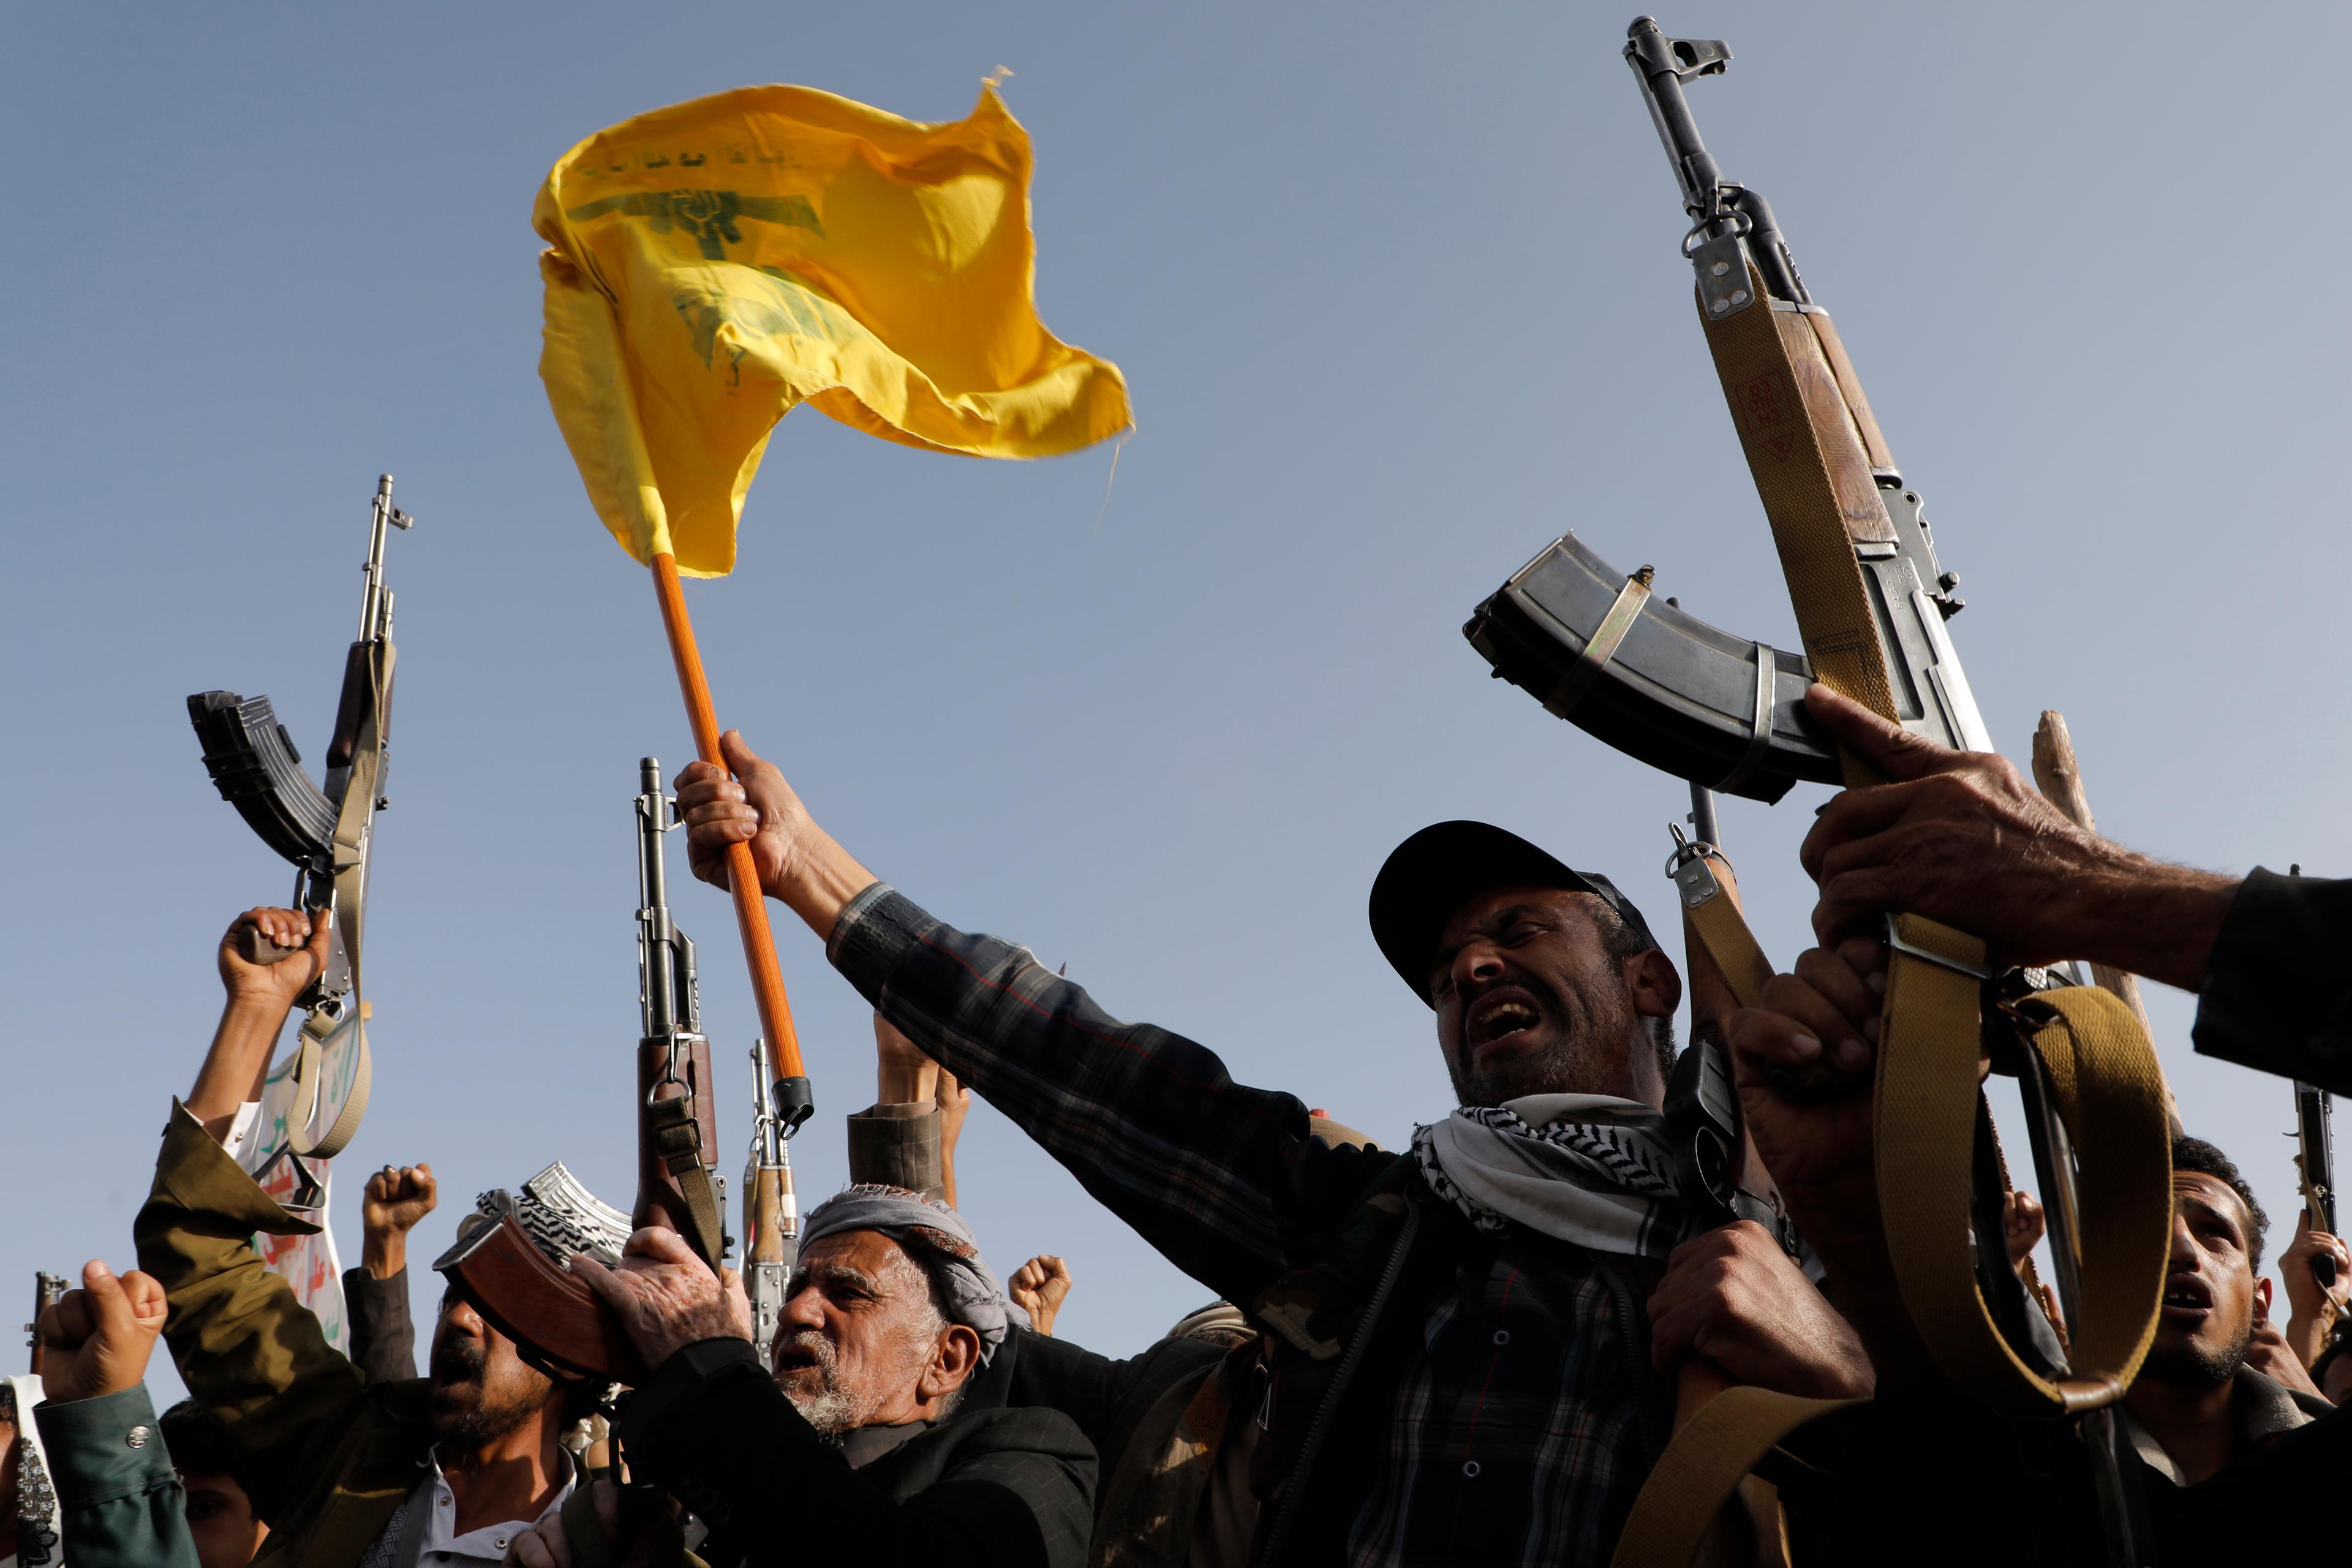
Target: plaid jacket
(1437, 1396)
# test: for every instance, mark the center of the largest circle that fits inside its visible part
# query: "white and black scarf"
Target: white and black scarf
(1591, 1169)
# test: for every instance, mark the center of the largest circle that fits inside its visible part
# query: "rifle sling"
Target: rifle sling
(1702, 1468)
(350, 850)
(678, 1139)
(1722, 931)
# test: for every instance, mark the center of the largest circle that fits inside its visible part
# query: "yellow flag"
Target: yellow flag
(712, 264)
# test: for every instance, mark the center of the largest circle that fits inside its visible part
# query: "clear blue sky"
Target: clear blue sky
(1397, 291)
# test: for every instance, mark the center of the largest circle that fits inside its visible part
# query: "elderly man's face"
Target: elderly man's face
(1529, 1001)
(861, 1342)
(482, 1390)
(2208, 1285)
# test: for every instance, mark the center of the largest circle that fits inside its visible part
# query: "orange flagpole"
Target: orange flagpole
(743, 879)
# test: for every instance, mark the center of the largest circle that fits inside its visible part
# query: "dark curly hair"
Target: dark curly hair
(2198, 1156)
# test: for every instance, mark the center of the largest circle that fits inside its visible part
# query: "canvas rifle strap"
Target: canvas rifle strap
(678, 1139)
(2103, 1077)
(1702, 1468)
(351, 919)
(1719, 927)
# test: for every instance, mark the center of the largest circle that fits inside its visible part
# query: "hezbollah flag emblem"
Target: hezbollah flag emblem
(713, 264)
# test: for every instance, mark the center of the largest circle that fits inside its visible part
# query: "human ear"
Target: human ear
(2263, 1299)
(1656, 985)
(953, 1360)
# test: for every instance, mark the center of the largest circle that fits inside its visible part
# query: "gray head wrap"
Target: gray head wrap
(945, 1245)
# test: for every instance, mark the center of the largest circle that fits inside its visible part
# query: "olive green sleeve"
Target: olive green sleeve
(251, 1354)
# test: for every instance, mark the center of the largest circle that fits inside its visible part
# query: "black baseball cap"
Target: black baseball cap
(1430, 874)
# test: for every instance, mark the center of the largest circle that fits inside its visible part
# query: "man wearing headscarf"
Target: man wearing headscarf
(879, 1436)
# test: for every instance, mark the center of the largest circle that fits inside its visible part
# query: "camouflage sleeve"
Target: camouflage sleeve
(250, 1354)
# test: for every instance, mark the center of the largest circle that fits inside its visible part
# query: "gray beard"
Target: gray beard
(826, 1407)
(827, 1410)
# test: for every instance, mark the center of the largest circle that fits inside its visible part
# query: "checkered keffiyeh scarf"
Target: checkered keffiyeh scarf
(1589, 1169)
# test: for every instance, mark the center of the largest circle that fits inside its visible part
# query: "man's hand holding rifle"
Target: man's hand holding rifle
(1964, 839)
(260, 993)
(2315, 1312)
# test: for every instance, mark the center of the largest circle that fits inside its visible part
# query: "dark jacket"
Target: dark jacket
(2278, 989)
(326, 1460)
(899, 1146)
(1106, 1399)
(1000, 1487)
(382, 1330)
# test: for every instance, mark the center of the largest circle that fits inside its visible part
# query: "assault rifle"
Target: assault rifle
(771, 1221)
(516, 1286)
(2315, 1166)
(48, 1289)
(326, 833)
(1871, 600)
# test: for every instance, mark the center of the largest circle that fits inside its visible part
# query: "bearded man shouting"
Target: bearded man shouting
(1461, 1345)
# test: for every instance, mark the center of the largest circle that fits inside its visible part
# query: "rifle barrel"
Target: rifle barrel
(2316, 1159)
(48, 1289)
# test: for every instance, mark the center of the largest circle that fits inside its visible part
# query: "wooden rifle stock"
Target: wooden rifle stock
(549, 1313)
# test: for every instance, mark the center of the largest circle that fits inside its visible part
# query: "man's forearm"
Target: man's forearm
(2148, 918)
(383, 1253)
(819, 881)
(240, 1050)
(2306, 1335)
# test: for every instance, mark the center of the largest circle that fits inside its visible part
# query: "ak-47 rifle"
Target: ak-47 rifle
(326, 833)
(1871, 600)
(771, 1221)
(48, 1289)
(536, 1301)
